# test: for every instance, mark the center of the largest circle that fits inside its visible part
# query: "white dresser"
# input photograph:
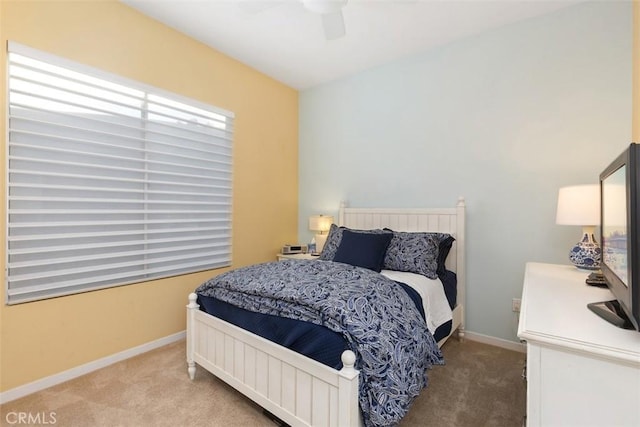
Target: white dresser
(581, 370)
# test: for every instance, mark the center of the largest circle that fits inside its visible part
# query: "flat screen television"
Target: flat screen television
(620, 239)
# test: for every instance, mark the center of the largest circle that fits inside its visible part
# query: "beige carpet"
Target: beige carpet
(479, 386)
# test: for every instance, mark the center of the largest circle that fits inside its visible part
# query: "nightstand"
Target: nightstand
(296, 256)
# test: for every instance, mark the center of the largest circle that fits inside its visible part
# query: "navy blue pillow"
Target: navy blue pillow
(363, 249)
(335, 236)
(443, 251)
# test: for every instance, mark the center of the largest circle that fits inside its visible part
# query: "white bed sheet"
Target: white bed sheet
(434, 300)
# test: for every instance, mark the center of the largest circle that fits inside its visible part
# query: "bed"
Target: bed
(298, 389)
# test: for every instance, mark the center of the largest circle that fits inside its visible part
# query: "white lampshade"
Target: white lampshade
(320, 223)
(579, 205)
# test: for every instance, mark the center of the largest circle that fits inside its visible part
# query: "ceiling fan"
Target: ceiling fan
(332, 19)
(330, 11)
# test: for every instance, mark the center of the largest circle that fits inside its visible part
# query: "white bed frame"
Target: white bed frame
(295, 388)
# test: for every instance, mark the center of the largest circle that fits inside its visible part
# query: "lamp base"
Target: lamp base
(586, 254)
(320, 241)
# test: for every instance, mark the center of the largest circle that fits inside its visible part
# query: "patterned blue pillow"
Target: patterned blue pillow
(363, 249)
(335, 236)
(415, 252)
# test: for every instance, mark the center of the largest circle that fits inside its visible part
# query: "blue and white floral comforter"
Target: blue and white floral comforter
(393, 346)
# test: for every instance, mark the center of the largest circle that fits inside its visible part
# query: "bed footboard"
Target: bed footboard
(296, 389)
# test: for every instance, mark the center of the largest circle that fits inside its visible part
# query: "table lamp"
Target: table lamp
(580, 205)
(321, 224)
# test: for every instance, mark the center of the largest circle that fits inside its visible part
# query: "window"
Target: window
(110, 181)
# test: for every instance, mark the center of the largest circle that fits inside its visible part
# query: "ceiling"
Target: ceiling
(285, 41)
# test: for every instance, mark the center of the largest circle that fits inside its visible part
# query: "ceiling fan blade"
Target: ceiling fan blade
(333, 24)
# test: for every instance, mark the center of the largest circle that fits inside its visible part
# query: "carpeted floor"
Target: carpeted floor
(480, 385)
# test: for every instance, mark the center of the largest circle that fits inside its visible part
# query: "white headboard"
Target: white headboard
(442, 220)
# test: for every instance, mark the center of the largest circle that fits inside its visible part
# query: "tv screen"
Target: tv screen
(614, 224)
(620, 239)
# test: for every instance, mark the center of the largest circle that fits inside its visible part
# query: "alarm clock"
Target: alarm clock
(294, 249)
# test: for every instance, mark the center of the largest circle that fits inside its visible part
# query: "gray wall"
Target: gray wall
(504, 119)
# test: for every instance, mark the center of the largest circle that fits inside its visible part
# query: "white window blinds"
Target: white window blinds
(110, 182)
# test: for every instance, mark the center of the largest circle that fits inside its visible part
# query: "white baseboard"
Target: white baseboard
(498, 342)
(72, 373)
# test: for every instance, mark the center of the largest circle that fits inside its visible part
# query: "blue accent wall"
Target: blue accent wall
(504, 118)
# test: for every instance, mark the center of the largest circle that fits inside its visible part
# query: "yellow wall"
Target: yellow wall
(47, 337)
(636, 72)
